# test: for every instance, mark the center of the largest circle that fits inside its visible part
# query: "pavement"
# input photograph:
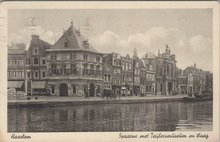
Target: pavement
(91, 99)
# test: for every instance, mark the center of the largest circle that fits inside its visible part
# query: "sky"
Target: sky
(188, 32)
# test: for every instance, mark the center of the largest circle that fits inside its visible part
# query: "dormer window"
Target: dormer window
(66, 44)
(78, 32)
(36, 51)
(86, 44)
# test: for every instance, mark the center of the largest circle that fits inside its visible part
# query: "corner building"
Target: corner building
(75, 67)
(165, 73)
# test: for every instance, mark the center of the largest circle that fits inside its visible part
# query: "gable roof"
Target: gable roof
(74, 39)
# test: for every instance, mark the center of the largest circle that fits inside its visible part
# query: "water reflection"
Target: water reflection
(172, 116)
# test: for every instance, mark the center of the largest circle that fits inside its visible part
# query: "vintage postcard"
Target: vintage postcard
(109, 71)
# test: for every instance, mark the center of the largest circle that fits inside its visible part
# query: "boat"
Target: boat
(197, 98)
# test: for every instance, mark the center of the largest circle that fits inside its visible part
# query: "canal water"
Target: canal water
(165, 116)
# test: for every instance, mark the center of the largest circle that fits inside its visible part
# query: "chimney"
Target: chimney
(194, 64)
(35, 37)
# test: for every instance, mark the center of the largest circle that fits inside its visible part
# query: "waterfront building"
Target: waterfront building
(181, 82)
(143, 76)
(36, 66)
(114, 60)
(75, 67)
(16, 67)
(166, 78)
(107, 75)
(136, 74)
(208, 82)
(201, 80)
(194, 74)
(150, 64)
(127, 76)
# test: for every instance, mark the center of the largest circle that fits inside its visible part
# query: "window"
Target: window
(36, 51)
(15, 73)
(126, 66)
(64, 66)
(129, 66)
(86, 44)
(85, 66)
(123, 65)
(15, 61)
(21, 62)
(9, 73)
(115, 71)
(28, 61)
(36, 62)
(53, 57)
(98, 67)
(74, 89)
(92, 67)
(28, 74)
(85, 57)
(43, 61)
(97, 59)
(53, 89)
(109, 78)
(36, 74)
(105, 77)
(119, 71)
(72, 56)
(66, 44)
(43, 74)
(54, 66)
(21, 73)
(73, 66)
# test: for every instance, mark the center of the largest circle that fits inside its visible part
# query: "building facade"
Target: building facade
(150, 63)
(127, 76)
(136, 74)
(165, 77)
(16, 67)
(36, 66)
(75, 67)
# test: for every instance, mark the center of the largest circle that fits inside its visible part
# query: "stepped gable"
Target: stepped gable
(36, 41)
(72, 39)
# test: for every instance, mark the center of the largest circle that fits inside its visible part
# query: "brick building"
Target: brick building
(136, 74)
(16, 66)
(150, 63)
(165, 77)
(36, 65)
(127, 76)
(74, 65)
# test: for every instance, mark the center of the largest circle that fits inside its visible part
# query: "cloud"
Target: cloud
(188, 50)
(24, 35)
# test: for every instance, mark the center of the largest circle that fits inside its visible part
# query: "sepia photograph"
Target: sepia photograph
(111, 70)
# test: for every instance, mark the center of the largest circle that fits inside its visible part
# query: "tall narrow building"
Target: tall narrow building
(74, 65)
(165, 73)
(36, 66)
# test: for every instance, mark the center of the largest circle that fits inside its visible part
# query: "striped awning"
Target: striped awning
(38, 84)
(15, 84)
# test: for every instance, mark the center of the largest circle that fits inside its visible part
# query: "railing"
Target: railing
(74, 71)
(63, 71)
(91, 72)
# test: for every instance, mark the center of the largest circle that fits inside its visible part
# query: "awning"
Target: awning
(123, 88)
(15, 84)
(38, 84)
